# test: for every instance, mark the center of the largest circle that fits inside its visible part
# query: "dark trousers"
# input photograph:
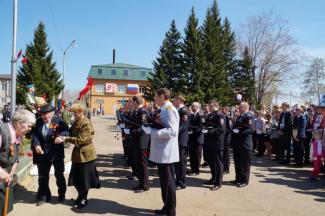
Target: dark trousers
(44, 175)
(226, 156)
(260, 144)
(307, 141)
(132, 156)
(180, 167)
(195, 151)
(215, 161)
(285, 142)
(299, 151)
(254, 139)
(242, 159)
(276, 148)
(142, 168)
(168, 188)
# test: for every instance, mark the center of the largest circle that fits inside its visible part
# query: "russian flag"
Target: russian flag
(132, 89)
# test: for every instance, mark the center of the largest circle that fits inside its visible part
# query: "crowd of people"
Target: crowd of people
(209, 132)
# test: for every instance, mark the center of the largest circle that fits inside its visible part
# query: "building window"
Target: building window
(99, 88)
(113, 72)
(4, 87)
(143, 73)
(100, 71)
(142, 89)
(4, 100)
(99, 101)
(126, 72)
(121, 89)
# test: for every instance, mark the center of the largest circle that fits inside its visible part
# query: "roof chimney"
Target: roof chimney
(113, 56)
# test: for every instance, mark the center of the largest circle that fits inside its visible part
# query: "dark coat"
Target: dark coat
(139, 137)
(184, 125)
(196, 136)
(301, 126)
(287, 129)
(244, 137)
(57, 127)
(216, 127)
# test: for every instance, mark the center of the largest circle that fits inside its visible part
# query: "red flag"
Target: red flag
(19, 54)
(84, 91)
(24, 60)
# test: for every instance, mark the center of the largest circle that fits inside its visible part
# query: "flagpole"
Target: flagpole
(13, 60)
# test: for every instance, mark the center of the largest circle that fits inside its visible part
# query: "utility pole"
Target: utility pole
(13, 60)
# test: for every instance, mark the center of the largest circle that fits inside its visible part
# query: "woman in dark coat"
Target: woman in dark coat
(83, 174)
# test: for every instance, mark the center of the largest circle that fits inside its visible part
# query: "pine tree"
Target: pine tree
(229, 55)
(167, 70)
(39, 69)
(242, 78)
(215, 77)
(193, 59)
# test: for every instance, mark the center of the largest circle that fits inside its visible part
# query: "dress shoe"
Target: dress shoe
(83, 203)
(215, 187)
(240, 185)
(141, 189)
(180, 187)
(61, 198)
(194, 174)
(210, 182)
(235, 182)
(43, 200)
(159, 212)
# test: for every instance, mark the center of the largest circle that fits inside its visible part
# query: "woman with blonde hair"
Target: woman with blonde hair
(83, 174)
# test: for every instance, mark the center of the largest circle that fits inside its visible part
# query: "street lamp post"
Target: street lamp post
(72, 44)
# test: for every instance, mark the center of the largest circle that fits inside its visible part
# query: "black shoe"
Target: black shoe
(136, 187)
(210, 182)
(159, 212)
(43, 200)
(180, 187)
(240, 185)
(215, 187)
(131, 177)
(83, 203)
(61, 198)
(235, 182)
(141, 189)
(194, 174)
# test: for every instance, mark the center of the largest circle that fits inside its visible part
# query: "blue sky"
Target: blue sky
(136, 28)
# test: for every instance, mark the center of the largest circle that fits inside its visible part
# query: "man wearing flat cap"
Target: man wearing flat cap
(30, 102)
(46, 153)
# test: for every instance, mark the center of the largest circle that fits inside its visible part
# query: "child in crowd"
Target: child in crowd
(317, 153)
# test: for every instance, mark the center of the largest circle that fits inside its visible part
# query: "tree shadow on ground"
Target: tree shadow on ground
(297, 178)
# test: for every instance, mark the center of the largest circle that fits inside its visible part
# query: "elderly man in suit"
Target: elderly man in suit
(46, 153)
(164, 149)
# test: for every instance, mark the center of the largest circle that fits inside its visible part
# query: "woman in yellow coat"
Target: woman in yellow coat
(83, 174)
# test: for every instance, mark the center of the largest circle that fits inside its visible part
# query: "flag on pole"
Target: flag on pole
(84, 91)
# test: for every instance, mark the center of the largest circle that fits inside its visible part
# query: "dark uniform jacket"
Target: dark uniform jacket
(139, 137)
(195, 129)
(184, 125)
(57, 127)
(216, 126)
(287, 127)
(245, 130)
(81, 135)
(301, 126)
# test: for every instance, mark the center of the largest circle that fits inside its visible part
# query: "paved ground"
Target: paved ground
(273, 190)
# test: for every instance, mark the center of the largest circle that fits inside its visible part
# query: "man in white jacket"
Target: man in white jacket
(164, 149)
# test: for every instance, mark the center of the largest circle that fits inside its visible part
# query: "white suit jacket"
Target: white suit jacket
(164, 142)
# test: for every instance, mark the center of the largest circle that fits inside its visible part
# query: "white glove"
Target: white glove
(122, 125)
(190, 132)
(147, 130)
(127, 131)
(204, 131)
(236, 131)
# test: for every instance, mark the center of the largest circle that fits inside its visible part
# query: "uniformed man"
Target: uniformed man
(241, 139)
(285, 127)
(299, 137)
(164, 150)
(207, 113)
(141, 144)
(215, 134)
(228, 124)
(196, 138)
(180, 167)
(30, 102)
